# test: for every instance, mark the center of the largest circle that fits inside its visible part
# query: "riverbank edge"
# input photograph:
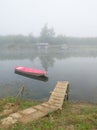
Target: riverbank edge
(73, 116)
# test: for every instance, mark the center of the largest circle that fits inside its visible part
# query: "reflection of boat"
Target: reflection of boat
(31, 73)
(42, 78)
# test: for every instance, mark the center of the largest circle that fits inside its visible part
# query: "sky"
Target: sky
(75, 18)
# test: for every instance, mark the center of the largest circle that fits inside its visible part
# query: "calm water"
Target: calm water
(80, 71)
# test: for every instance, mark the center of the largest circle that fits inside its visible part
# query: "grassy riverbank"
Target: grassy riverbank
(73, 116)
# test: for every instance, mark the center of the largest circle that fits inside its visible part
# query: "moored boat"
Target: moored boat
(30, 71)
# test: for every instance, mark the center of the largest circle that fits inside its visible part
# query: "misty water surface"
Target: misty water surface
(79, 67)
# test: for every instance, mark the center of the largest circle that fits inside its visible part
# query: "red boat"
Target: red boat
(30, 71)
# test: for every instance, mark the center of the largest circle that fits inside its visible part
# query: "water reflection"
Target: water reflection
(76, 65)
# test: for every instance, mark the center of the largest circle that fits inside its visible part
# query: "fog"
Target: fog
(77, 18)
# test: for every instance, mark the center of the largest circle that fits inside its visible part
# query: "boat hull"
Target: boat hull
(30, 71)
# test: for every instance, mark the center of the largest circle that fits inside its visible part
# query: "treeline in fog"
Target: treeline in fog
(47, 35)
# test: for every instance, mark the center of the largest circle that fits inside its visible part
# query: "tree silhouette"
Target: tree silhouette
(46, 34)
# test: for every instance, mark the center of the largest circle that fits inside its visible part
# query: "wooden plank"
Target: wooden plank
(58, 94)
(56, 98)
(43, 108)
(48, 105)
(28, 111)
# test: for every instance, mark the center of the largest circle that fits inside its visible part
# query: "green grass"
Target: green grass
(74, 116)
(23, 104)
